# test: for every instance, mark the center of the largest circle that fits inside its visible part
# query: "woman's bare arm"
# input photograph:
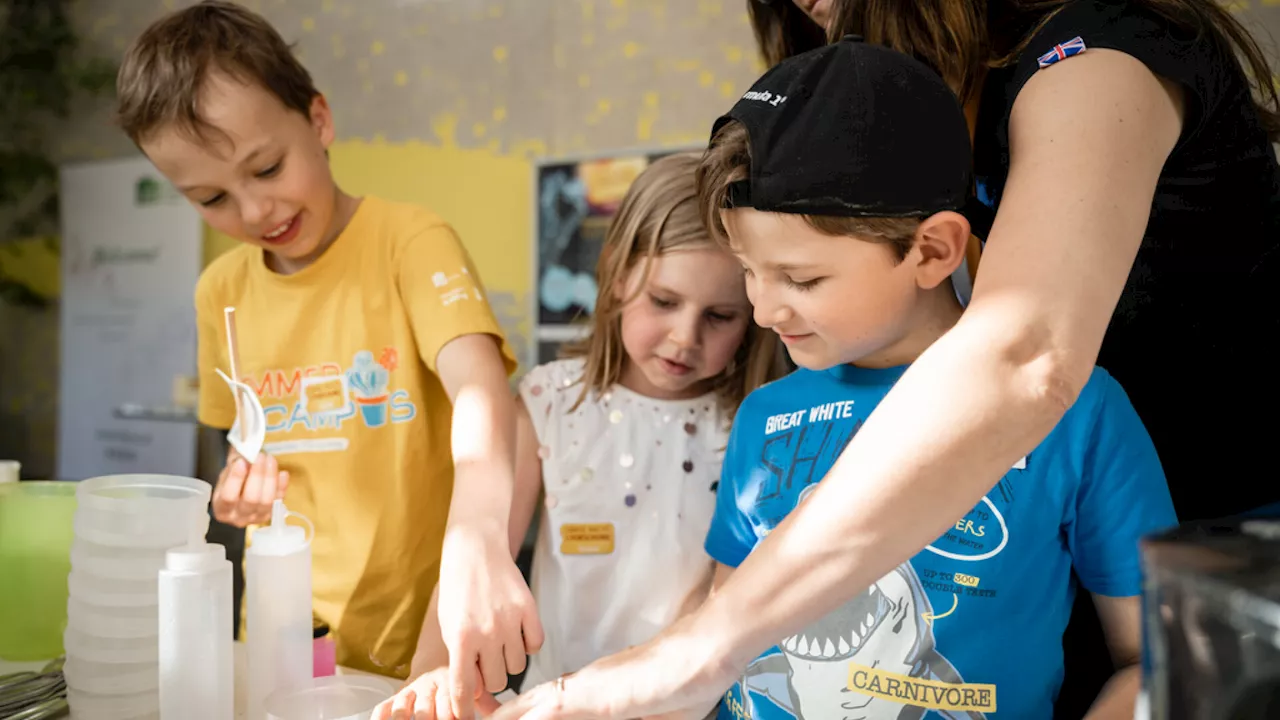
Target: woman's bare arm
(1089, 138)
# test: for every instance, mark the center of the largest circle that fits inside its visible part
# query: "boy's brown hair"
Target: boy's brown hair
(728, 159)
(164, 71)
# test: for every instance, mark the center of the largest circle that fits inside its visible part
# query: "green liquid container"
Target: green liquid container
(36, 520)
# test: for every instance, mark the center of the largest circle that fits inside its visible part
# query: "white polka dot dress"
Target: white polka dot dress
(629, 494)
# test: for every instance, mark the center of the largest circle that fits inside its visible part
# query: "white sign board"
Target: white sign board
(131, 249)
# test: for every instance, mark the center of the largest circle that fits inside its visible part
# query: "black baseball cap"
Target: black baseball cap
(853, 129)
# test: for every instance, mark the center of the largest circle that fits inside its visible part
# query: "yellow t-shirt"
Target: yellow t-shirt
(342, 355)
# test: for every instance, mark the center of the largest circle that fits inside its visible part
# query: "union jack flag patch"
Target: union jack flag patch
(1074, 46)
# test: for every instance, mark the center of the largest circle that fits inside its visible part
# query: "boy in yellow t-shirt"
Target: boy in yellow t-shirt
(364, 328)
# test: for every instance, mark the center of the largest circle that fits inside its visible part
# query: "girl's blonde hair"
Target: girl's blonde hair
(659, 215)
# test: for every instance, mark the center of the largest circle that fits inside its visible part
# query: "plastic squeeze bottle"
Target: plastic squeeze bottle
(196, 665)
(278, 608)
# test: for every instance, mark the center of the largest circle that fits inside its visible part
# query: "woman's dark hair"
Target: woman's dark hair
(783, 30)
(960, 39)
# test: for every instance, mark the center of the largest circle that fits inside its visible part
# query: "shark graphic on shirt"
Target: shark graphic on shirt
(882, 633)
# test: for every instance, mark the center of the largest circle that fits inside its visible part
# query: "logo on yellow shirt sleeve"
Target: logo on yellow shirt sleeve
(456, 287)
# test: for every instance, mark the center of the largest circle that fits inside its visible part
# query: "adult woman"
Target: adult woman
(1137, 220)
(1173, 300)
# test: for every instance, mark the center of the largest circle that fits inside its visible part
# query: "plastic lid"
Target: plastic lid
(344, 697)
(279, 538)
(195, 557)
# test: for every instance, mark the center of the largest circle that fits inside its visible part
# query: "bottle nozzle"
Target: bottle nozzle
(278, 514)
(279, 537)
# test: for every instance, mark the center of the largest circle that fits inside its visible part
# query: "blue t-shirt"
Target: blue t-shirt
(974, 623)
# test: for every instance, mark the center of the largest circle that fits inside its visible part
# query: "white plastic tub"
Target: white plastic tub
(111, 592)
(140, 706)
(124, 563)
(141, 495)
(118, 622)
(339, 697)
(175, 524)
(99, 678)
(111, 650)
(142, 536)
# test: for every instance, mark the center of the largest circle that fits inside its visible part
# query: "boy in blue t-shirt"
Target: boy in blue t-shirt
(842, 182)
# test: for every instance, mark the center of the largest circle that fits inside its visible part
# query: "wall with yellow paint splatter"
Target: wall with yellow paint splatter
(510, 77)
(447, 103)
(442, 102)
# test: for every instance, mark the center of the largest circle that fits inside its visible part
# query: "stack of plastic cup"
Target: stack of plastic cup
(123, 526)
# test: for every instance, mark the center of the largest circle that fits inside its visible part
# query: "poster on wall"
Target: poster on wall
(576, 200)
(131, 249)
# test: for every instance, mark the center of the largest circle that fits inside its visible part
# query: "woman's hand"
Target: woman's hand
(679, 675)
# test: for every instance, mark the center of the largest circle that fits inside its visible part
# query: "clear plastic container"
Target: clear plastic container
(94, 714)
(341, 697)
(197, 668)
(124, 563)
(132, 524)
(111, 592)
(113, 650)
(113, 707)
(144, 538)
(100, 678)
(142, 495)
(115, 605)
(113, 622)
(123, 526)
(141, 511)
(278, 611)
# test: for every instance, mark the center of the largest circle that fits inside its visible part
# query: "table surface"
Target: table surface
(239, 652)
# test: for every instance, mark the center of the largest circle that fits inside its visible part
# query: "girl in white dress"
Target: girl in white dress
(622, 442)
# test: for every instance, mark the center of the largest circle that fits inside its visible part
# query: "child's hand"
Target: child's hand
(427, 698)
(679, 675)
(488, 620)
(244, 494)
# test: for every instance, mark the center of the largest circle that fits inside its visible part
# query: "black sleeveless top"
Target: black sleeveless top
(1190, 340)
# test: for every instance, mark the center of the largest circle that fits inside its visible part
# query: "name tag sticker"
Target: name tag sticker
(324, 395)
(586, 539)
